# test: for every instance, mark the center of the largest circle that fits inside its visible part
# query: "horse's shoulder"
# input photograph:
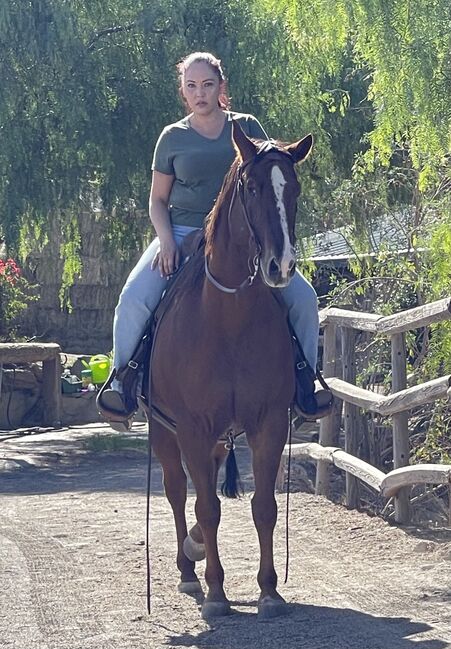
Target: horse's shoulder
(192, 243)
(192, 261)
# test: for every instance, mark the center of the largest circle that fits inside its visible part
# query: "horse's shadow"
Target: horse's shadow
(311, 627)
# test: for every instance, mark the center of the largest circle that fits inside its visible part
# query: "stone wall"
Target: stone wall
(87, 327)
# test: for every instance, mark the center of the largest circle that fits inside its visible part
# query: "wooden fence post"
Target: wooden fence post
(400, 424)
(326, 426)
(350, 414)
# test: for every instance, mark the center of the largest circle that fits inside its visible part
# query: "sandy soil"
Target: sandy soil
(72, 564)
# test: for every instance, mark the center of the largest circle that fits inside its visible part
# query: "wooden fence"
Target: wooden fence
(396, 405)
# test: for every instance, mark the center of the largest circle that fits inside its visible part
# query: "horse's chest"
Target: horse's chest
(225, 375)
(244, 369)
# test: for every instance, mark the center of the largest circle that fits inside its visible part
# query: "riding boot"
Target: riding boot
(310, 403)
(117, 408)
(117, 401)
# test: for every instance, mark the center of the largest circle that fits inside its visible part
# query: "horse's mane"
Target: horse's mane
(212, 219)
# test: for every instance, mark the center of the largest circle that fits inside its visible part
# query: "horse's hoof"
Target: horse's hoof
(269, 607)
(190, 587)
(193, 551)
(215, 609)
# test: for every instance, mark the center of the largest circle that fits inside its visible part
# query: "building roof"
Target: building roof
(390, 233)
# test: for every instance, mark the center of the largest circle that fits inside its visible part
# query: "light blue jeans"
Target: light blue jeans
(144, 287)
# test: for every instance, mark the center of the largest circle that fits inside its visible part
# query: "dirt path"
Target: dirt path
(72, 565)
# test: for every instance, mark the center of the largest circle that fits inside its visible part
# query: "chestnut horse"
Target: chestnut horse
(223, 361)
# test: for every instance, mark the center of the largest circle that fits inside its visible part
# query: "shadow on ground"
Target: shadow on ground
(72, 467)
(311, 627)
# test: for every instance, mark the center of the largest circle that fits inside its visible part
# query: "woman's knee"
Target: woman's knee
(301, 294)
(132, 304)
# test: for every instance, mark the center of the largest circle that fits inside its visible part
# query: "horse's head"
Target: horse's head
(269, 190)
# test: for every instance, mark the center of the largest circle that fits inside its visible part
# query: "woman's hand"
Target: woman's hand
(167, 258)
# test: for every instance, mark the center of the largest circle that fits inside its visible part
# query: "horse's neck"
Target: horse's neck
(230, 254)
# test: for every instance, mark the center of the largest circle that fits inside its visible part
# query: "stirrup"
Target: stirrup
(111, 406)
(324, 404)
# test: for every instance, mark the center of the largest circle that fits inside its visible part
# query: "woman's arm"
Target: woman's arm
(168, 257)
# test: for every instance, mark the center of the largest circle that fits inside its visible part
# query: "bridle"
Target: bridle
(238, 192)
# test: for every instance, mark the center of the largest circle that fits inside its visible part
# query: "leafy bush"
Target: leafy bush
(15, 295)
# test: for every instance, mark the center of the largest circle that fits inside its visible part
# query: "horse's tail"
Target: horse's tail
(232, 486)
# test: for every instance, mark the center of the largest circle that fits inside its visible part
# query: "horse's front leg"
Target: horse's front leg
(194, 546)
(165, 446)
(203, 469)
(267, 445)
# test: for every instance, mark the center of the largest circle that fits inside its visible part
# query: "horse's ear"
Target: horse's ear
(300, 150)
(244, 146)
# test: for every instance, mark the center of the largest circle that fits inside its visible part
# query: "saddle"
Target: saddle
(308, 403)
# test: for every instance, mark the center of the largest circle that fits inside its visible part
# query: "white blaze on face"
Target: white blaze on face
(288, 255)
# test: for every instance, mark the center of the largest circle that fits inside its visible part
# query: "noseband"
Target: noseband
(238, 190)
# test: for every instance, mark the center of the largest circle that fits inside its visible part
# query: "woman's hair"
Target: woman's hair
(215, 65)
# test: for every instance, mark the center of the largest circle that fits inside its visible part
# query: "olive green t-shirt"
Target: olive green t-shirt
(198, 165)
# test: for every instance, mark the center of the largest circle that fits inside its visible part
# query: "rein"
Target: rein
(254, 265)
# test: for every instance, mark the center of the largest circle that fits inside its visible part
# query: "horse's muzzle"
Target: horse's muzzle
(278, 274)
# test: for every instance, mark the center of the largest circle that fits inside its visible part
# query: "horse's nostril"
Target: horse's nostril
(273, 267)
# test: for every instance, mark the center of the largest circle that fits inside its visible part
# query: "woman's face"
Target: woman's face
(201, 88)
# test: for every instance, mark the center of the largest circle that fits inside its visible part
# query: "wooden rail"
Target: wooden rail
(388, 485)
(395, 405)
(49, 354)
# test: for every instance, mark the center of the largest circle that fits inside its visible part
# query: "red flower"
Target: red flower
(10, 270)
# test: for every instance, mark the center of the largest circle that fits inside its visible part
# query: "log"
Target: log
(326, 426)
(349, 319)
(359, 469)
(358, 396)
(410, 475)
(387, 484)
(311, 451)
(387, 405)
(400, 423)
(420, 316)
(341, 459)
(415, 396)
(28, 352)
(350, 415)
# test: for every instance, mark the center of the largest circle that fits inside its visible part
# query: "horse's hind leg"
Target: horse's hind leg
(194, 546)
(166, 449)
(267, 445)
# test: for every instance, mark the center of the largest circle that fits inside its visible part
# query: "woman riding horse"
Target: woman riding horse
(221, 362)
(190, 161)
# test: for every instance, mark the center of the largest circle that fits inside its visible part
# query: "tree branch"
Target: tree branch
(115, 30)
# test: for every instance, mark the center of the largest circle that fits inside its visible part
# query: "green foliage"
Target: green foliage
(87, 87)
(70, 254)
(436, 445)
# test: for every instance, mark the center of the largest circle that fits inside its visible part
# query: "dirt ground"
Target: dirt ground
(72, 563)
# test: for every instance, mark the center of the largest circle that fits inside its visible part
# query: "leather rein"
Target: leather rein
(238, 190)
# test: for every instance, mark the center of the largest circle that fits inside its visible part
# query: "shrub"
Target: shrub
(15, 295)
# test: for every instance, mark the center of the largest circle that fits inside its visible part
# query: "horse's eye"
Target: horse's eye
(252, 189)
